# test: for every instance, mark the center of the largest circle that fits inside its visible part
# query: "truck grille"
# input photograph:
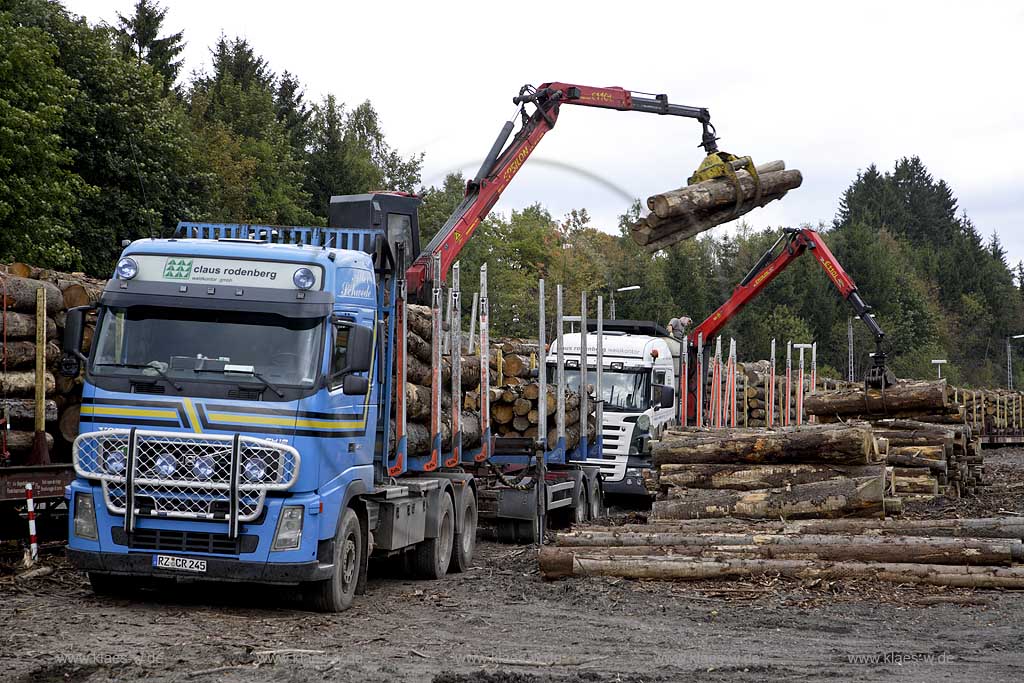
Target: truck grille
(172, 474)
(184, 541)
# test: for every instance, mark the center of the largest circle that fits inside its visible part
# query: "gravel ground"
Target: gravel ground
(500, 622)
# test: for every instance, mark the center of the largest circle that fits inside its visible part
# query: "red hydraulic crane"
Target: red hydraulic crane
(502, 163)
(794, 242)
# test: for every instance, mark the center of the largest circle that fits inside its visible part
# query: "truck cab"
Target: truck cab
(640, 371)
(234, 413)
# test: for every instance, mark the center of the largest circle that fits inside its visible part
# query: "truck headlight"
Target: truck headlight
(166, 465)
(127, 268)
(254, 469)
(114, 461)
(203, 467)
(643, 423)
(303, 278)
(85, 516)
(289, 528)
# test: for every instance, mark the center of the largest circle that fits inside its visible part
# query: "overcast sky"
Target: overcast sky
(829, 88)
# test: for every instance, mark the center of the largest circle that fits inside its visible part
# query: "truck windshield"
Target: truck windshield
(624, 390)
(178, 343)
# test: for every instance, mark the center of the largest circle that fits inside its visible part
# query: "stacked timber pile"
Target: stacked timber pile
(975, 553)
(514, 397)
(688, 211)
(418, 383)
(19, 344)
(813, 471)
(993, 412)
(516, 411)
(926, 439)
(515, 361)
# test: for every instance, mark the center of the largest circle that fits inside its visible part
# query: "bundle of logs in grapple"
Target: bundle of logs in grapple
(921, 429)
(812, 471)
(515, 402)
(19, 322)
(974, 553)
(688, 211)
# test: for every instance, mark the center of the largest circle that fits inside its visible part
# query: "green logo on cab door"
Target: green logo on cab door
(178, 269)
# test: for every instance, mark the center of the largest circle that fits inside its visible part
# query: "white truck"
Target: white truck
(641, 366)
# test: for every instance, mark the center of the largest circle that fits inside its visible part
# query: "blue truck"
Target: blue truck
(236, 419)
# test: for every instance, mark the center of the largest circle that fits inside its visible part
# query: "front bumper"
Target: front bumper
(627, 486)
(217, 569)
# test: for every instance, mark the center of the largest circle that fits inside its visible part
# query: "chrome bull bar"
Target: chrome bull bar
(184, 476)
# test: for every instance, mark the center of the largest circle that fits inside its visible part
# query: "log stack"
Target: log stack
(514, 396)
(18, 285)
(688, 211)
(975, 553)
(813, 471)
(923, 431)
(992, 412)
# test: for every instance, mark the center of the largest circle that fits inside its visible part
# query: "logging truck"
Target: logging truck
(236, 418)
(641, 366)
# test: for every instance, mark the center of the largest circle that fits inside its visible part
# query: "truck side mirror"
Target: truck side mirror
(360, 349)
(74, 325)
(354, 385)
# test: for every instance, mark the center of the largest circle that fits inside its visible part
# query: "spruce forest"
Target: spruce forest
(104, 137)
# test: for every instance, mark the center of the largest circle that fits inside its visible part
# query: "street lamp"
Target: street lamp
(938, 363)
(1009, 360)
(628, 288)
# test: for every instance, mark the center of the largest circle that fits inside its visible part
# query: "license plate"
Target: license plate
(181, 564)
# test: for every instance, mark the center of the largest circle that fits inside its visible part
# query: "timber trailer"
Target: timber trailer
(235, 422)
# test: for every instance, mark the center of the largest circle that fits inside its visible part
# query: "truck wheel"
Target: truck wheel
(580, 511)
(596, 500)
(335, 594)
(465, 541)
(433, 555)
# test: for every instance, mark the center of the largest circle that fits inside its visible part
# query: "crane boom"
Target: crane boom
(503, 161)
(794, 243)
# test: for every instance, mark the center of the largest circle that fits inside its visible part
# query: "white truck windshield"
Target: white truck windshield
(624, 390)
(179, 342)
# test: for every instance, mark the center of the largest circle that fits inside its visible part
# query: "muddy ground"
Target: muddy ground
(500, 622)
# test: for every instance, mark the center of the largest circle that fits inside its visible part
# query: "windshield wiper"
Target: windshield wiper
(270, 386)
(225, 368)
(142, 366)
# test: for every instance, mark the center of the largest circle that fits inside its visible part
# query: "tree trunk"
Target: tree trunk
(517, 365)
(24, 409)
(20, 294)
(915, 461)
(23, 383)
(981, 527)
(418, 319)
(921, 397)
(23, 326)
(914, 480)
(834, 498)
(418, 347)
(557, 563)
(22, 354)
(75, 293)
(68, 423)
(824, 547)
(836, 444)
(522, 406)
(720, 193)
(520, 347)
(19, 441)
(753, 477)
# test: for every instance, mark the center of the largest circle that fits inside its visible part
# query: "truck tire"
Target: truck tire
(595, 499)
(433, 555)
(335, 594)
(465, 541)
(580, 512)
